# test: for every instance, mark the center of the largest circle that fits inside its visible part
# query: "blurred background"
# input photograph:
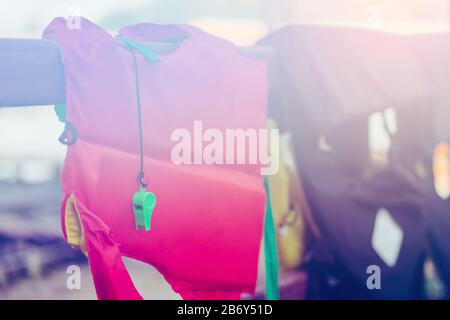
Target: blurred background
(33, 256)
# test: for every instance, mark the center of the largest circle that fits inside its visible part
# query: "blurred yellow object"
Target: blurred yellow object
(441, 170)
(287, 216)
(74, 229)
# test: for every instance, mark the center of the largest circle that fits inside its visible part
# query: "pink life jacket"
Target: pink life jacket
(207, 224)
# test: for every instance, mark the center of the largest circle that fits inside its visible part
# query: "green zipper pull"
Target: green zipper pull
(143, 204)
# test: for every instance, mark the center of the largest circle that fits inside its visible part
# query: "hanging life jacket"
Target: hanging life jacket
(207, 224)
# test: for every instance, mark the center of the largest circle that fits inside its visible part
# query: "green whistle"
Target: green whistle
(143, 205)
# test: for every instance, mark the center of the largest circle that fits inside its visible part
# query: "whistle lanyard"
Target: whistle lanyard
(141, 175)
(143, 202)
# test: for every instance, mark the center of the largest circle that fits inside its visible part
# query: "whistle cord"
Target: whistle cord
(141, 173)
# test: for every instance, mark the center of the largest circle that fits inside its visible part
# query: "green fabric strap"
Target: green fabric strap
(270, 249)
(150, 55)
(61, 112)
